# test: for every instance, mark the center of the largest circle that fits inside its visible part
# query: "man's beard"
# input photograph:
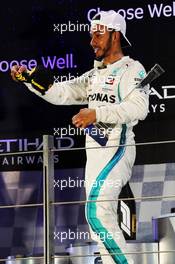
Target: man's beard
(106, 50)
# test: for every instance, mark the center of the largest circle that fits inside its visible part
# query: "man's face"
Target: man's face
(101, 40)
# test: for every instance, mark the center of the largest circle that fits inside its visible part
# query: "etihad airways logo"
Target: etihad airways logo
(163, 95)
(23, 145)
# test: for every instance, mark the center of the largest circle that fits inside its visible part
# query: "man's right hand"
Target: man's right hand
(40, 78)
(17, 70)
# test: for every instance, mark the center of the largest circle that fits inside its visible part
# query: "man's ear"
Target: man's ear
(116, 36)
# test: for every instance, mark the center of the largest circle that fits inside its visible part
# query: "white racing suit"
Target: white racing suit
(110, 92)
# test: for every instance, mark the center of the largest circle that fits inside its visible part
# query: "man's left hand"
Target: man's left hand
(84, 118)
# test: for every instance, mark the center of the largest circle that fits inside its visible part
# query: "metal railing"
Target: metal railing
(49, 203)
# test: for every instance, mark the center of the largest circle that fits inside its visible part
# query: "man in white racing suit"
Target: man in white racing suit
(109, 89)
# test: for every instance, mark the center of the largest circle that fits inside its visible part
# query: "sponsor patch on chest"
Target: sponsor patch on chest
(102, 97)
(110, 80)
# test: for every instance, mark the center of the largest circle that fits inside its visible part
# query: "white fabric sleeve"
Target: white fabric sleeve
(66, 93)
(134, 106)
